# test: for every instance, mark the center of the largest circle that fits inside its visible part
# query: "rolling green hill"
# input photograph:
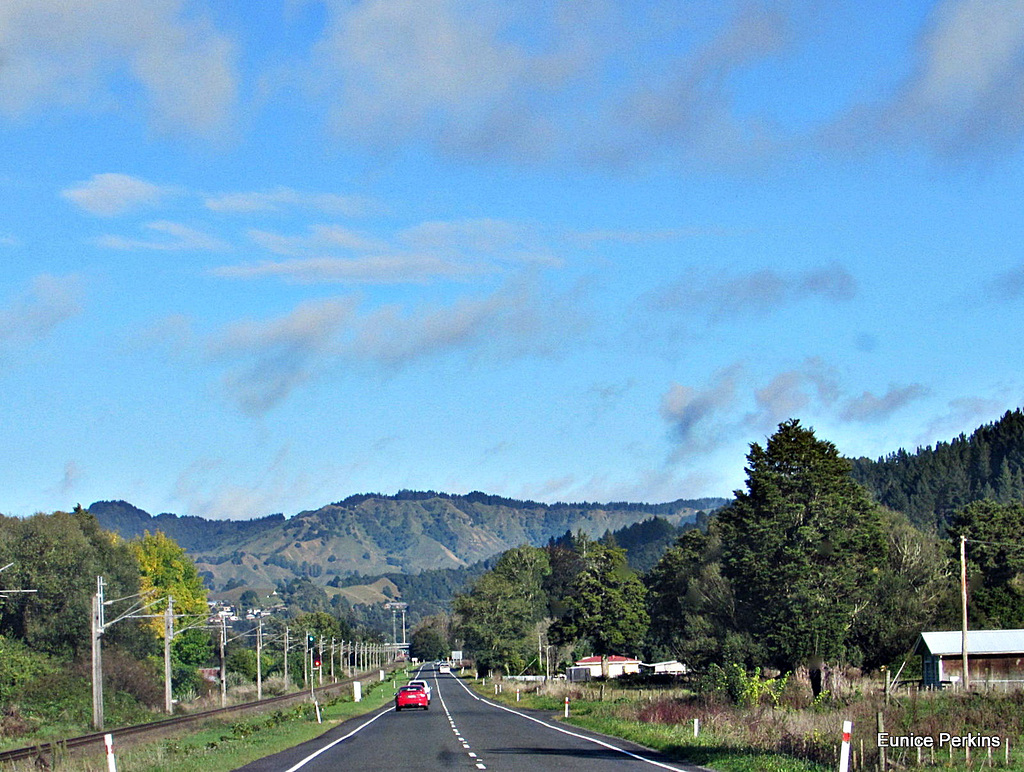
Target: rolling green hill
(373, 534)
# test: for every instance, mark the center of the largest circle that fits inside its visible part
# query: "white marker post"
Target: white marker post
(108, 742)
(357, 691)
(844, 753)
(696, 727)
(567, 706)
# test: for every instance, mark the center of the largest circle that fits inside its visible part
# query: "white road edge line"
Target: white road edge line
(330, 745)
(566, 731)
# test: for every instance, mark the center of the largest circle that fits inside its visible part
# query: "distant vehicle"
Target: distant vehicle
(444, 669)
(422, 684)
(411, 697)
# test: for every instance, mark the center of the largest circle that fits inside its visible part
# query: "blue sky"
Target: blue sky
(259, 257)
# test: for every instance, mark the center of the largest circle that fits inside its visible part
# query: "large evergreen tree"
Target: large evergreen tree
(801, 546)
(606, 603)
(499, 614)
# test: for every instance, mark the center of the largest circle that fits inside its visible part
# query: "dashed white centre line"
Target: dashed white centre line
(458, 735)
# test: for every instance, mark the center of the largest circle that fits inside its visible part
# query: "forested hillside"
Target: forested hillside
(931, 484)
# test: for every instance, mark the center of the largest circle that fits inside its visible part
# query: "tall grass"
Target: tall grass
(788, 730)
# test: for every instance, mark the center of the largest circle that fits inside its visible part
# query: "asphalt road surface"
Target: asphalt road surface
(462, 731)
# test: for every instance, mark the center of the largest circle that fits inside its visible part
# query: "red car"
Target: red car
(411, 697)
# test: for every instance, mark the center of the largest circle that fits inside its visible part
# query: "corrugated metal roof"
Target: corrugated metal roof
(613, 659)
(978, 642)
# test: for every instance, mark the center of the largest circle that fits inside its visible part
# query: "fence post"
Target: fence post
(880, 724)
(844, 753)
(108, 742)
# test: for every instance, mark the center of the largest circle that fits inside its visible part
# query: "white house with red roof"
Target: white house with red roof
(611, 666)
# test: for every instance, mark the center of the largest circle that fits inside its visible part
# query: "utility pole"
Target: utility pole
(223, 663)
(305, 662)
(97, 656)
(320, 670)
(259, 659)
(333, 679)
(963, 611)
(168, 635)
(287, 684)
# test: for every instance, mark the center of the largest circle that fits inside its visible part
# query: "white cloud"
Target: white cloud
(37, 312)
(787, 394)
(456, 74)
(964, 414)
(107, 195)
(268, 360)
(321, 238)
(71, 52)
(870, 407)
(377, 269)
(962, 96)
(177, 237)
(281, 198)
(690, 109)
(721, 298)
(694, 413)
(432, 250)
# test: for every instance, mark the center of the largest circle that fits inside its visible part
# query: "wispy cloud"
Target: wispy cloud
(378, 269)
(693, 413)
(690, 110)
(267, 360)
(722, 298)
(964, 414)
(320, 239)
(963, 95)
(33, 315)
(792, 391)
(870, 407)
(1008, 285)
(418, 254)
(73, 53)
(282, 198)
(108, 195)
(176, 237)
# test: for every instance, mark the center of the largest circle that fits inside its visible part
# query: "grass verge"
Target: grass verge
(674, 740)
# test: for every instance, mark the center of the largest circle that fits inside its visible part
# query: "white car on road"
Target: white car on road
(422, 683)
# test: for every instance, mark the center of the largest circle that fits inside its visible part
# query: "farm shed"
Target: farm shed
(995, 658)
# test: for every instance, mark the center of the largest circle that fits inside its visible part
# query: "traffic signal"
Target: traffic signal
(317, 660)
(310, 641)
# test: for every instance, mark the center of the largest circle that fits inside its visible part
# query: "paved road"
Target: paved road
(462, 731)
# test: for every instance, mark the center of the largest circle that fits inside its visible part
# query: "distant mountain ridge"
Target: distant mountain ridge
(407, 532)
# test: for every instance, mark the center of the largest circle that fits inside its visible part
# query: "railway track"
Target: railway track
(155, 729)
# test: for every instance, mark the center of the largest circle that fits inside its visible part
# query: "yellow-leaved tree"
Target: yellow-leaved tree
(166, 569)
